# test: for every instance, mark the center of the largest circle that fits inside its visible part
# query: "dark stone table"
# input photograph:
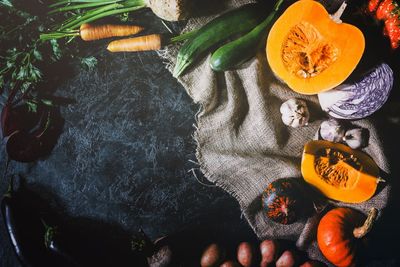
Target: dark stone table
(126, 157)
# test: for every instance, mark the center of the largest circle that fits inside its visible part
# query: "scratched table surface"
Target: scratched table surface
(126, 155)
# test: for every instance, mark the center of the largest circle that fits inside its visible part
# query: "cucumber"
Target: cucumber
(237, 52)
(237, 21)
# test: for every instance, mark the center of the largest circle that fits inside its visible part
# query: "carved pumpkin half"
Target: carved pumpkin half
(311, 51)
(339, 172)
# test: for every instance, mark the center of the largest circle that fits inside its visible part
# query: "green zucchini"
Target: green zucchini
(237, 52)
(231, 23)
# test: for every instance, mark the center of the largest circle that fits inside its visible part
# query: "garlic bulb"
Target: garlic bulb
(332, 130)
(356, 138)
(295, 113)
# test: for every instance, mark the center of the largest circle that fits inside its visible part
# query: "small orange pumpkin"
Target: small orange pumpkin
(340, 235)
(310, 51)
(339, 172)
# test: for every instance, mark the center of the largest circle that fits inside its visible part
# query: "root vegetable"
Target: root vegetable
(245, 255)
(96, 32)
(312, 263)
(141, 43)
(212, 256)
(93, 10)
(268, 249)
(230, 264)
(287, 259)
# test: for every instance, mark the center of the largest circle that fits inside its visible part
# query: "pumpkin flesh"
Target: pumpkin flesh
(309, 51)
(339, 172)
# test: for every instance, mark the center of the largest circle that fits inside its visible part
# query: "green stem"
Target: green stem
(81, 6)
(183, 37)
(66, 2)
(57, 35)
(104, 14)
(76, 23)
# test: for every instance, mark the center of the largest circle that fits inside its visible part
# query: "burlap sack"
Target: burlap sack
(242, 144)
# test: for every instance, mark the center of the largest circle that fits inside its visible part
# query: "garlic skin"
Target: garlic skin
(356, 138)
(331, 130)
(295, 113)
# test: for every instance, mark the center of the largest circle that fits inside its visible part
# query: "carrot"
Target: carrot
(141, 43)
(90, 32)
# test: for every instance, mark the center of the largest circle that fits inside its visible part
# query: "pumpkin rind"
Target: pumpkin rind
(333, 49)
(335, 236)
(285, 201)
(339, 172)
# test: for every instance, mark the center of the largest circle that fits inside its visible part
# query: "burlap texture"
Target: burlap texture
(242, 144)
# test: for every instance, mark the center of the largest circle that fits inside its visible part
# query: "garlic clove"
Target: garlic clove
(332, 130)
(295, 113)
(356, 138)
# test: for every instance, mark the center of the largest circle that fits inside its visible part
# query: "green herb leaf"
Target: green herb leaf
(56, 49)
(47, 102)
(22, 74)
(6, 3)
(35, 73)
(37, 55)
(25, 86)
(89, 63)
(32, 106)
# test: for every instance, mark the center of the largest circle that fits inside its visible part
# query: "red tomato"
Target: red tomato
(385, 9)
(373, 5)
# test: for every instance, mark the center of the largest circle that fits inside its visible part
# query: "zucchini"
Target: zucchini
(231, 23)
(237, 52)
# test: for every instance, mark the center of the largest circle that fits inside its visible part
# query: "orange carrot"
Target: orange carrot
(141, 43)
(95, 32)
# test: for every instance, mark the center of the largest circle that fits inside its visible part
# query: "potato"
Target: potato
(287, 259)
(212, 256)
(312, 263)
(268, 249)
(230, 264)
(245, 254)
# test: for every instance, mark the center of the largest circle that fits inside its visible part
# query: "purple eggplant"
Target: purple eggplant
(24, 229)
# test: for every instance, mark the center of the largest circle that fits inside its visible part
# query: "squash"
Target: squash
(339, 172)
(286, 200)
(312, 51)
(341, 233)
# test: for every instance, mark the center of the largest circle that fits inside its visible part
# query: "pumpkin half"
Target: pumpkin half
(339, 172)
(310, 51)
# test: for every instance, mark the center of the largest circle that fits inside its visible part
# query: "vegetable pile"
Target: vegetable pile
(313, 53)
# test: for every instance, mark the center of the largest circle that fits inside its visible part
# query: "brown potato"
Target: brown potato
(212, 256)
(287, 259)
(312, 263)
(245, 255)
(268, 249)
(230, 264)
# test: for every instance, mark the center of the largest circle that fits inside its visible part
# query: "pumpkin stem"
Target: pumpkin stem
(361, 231)
(336, 17)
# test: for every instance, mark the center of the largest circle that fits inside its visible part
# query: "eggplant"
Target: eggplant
(79, 246)
(24, 229)
(55, 243)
